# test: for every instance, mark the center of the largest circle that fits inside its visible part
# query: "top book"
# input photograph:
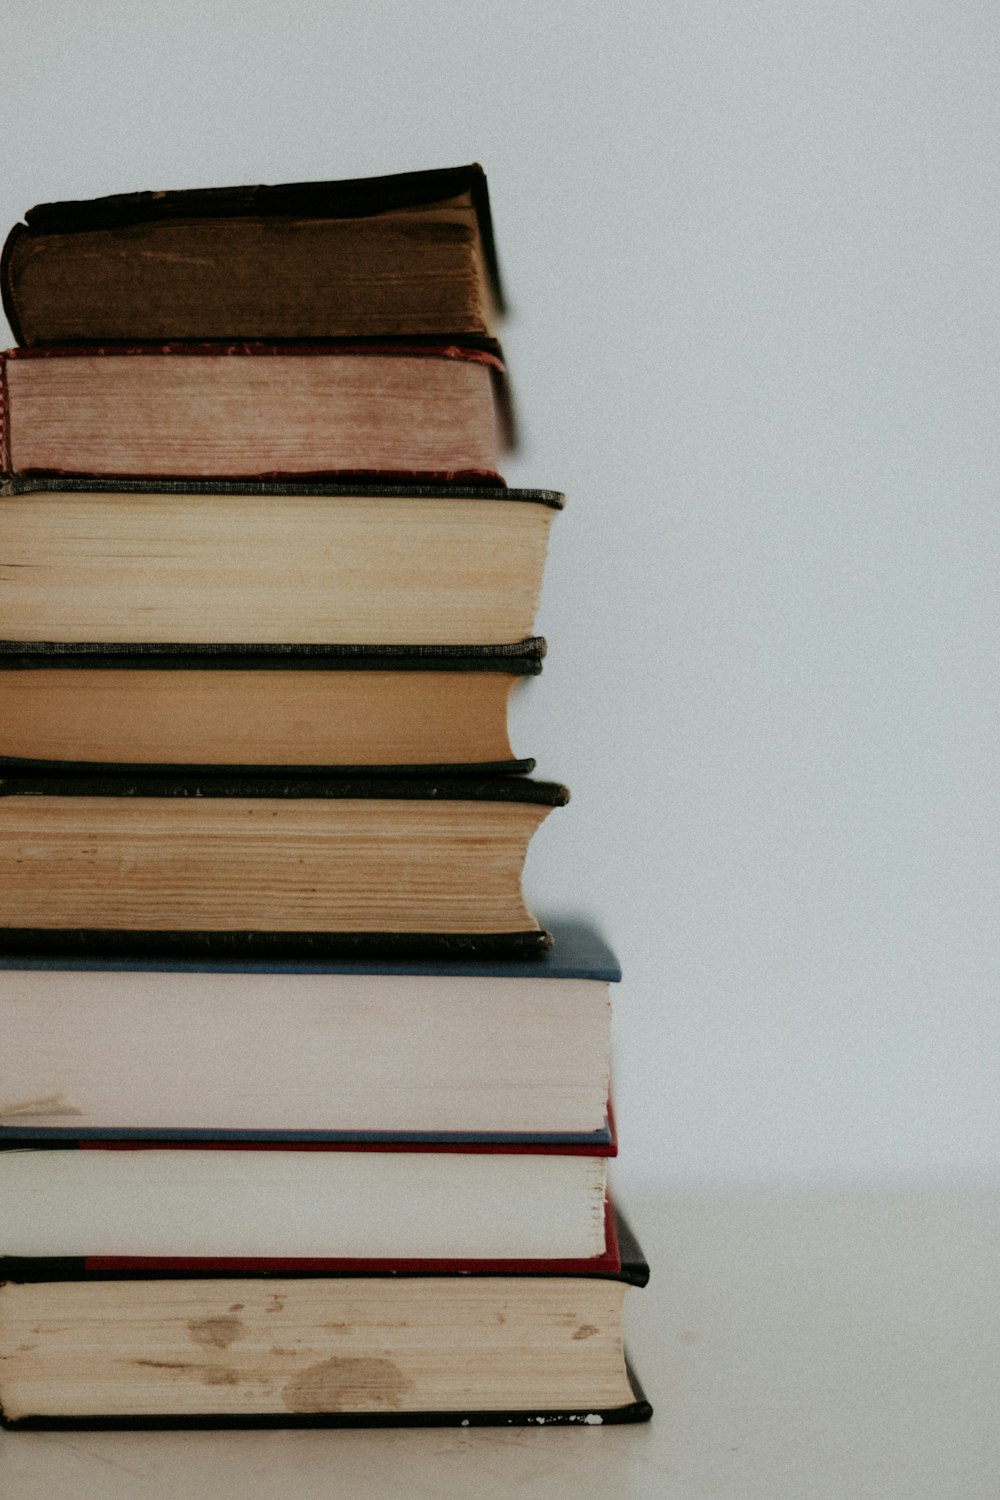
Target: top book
(406, 256)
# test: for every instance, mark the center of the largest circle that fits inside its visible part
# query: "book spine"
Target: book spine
(7, 281)
(5, 459)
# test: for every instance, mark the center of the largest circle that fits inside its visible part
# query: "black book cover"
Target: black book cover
(183, 784)
(637, 1410)
(520, 659)
(27, 484)
(269, 947)
(634, 1271)
(277, 945)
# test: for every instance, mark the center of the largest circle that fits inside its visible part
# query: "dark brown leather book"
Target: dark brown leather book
(268, 866)
(410, 255)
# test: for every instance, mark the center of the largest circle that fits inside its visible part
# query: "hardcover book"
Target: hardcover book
(268, 867)
(422, 414)
(408, 255)
(179, 562)
(501, 1052)
(370, 1347)
(303, 1122)
(187, 1203)
(300, 709)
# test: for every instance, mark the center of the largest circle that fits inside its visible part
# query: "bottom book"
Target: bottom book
(85, 1349)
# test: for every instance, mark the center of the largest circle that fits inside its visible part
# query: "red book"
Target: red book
(324, 1207)
(430, 412)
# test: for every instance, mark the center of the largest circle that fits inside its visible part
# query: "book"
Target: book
(299, 709)
(249, 449)
(180, 562)
(511, 1052)
(407, 255)
(372, 1347)
(268, 866)
(426, 413)
(155, 1203)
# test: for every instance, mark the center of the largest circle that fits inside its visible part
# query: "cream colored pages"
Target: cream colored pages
(274, 568)
(301, 1203)
(301, 1052)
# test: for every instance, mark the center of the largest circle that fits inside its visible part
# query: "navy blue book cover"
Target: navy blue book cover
(578, 952)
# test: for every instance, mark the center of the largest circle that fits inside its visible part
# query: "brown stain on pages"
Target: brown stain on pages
(51, 1104)
(164, 1364)
(207, 1374)
(342, 1384)
(216, 1333)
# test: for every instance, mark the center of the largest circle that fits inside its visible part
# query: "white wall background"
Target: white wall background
(752, 249)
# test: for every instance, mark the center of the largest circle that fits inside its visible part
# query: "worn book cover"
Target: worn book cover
(407, 255)
(370, 1346)
(424, 413)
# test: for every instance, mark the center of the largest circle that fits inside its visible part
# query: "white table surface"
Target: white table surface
(808, 1345)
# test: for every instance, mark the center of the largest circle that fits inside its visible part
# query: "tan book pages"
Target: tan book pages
(307, 1346)
(236, 863)
(269, 567)
(255, 717)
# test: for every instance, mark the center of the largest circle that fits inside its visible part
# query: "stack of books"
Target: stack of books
(304, 1115)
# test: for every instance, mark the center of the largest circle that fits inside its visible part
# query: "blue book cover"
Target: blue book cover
(578, 952)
